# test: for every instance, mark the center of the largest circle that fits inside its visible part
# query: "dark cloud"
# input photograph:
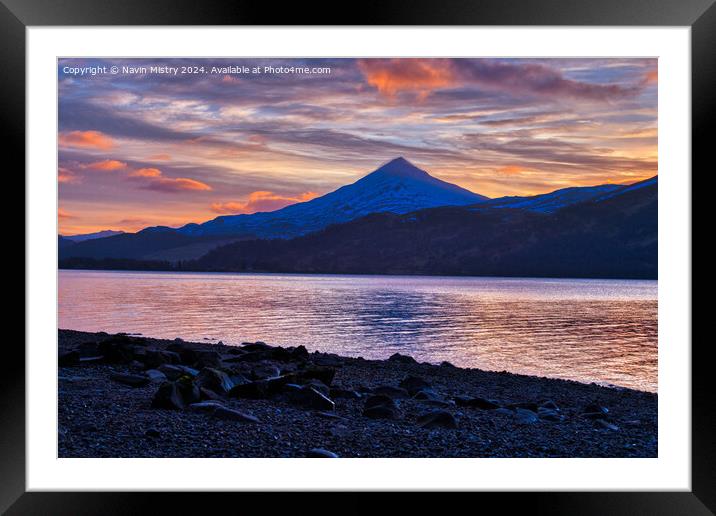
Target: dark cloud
(80, 115)
(537, 79)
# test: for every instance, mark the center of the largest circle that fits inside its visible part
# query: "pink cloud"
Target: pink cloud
(64, 214)
(86, 139)
(65, 175)
(260, 201)
(178, 184)
(146, 172)
(391, 76)
(106, 165)
(153, 179)
(132, 224)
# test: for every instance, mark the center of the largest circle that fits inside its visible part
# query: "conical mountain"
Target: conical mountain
(397, 186)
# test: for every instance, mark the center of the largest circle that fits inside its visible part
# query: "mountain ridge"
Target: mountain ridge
(610, 237)
(397, 186)
(91, 236)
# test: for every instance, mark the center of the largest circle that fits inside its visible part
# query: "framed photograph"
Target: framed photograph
(428, 242)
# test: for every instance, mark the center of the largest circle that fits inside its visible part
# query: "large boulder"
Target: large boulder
(69, 359)
(380, 407)
(429, 395)
(393, 392)
(252, 390)
(413, 384)
(595, 411)
(261, 389)
(187, 355)
(263, 371)
(208, 394)
(476, 402)
(168, 397)
(176, 395)
(299, 353)
(403, 359)
(174, 372)
(255, 346)
(324, 374)
(153, 358)
(205, 407)
(207, 359)
(437, 419)
(319, 386)
(215, 380)
(308, 396)
(119, 349)
(156, 376)
(88, 349)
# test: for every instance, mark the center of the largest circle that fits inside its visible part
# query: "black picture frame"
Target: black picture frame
(700, 15)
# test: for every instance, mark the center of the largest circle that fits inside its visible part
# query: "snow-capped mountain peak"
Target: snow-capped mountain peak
(399, 167)
(398, 186)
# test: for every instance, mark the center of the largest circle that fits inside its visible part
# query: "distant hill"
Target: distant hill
(157, 243)
(63, 243)
(92, 236)
(553, 201)
(611, 235)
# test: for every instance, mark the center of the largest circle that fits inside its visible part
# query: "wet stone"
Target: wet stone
(320, 453)
(234, 415)
(132, 380)
(437, 419)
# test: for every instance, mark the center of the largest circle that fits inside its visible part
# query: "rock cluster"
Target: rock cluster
(439, 408)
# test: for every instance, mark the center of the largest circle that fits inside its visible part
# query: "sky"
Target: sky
(142, 146)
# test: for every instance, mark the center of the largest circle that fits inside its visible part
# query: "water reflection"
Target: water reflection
(588, 330)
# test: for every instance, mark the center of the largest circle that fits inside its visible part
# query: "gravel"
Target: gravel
(514, 415)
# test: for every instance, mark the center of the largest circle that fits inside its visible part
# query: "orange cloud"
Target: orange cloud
(64, 214)
(132, 224)
(146, 172)
(86, 139)
(652, 77)
(160, 157)
(65, 175)
(391, 76)
(154, 180)
(107, 165)
(168, 184)
(260, 201)
(510, 170)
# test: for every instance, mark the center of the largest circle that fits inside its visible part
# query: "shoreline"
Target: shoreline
(206, 341)
(359, 274)
(130, 396)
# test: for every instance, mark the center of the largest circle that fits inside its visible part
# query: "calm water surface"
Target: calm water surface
(586, 330)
